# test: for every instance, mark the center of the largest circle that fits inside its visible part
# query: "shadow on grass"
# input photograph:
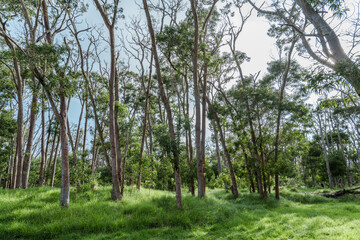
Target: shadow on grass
(150, 214)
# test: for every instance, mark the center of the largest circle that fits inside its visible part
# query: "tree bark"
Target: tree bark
(147, 93)
(199, 165)
(43, 152)
(348, 173)
(325, 154)
(29, 146)
(20, 117)
(65, 171)
(278, 119)
(115, 192)
(167, 108)
(53, 170)
(343, 64)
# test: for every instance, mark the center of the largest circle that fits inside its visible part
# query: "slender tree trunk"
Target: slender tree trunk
(278, 119)
(50, 158)
(325, 154)
(85, 128)
(78, 127)
(147, 94)
(348, 174)
(168, 109)
(95, 151)
(28, 152)
(43, 153)
(199, 165)
(251, 181)
(217, 147)
(115, 192)
(117, 131)
(53, 170)
(203, 123)
(65, 171)
(191, 153)
(20, 117)
(8, 170)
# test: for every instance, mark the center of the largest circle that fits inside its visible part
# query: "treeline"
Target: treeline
(166, 104)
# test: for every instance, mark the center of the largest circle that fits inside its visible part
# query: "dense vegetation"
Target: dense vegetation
(91, 96)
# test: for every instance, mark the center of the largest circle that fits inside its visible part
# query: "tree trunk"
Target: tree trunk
(50, 158)
(95, 151)
(28, 152)
(168, 109)
(218, 157)
(54, 164)
(199, 165)
(85, 128)
(278, 119)
(8, 170)
(115, 192)
(20, 116)
(343, 64)
(348, 174)
(147, 93)
(43, 152)
(325, 154)
(65, 171)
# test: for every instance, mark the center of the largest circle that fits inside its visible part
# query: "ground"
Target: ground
(151, 214)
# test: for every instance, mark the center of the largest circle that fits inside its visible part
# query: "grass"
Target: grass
(152, 214)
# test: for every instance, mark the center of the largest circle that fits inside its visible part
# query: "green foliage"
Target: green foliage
(7, 131)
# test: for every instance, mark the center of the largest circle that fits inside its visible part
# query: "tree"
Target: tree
(165, 100)
(110, 20)
(332, 53)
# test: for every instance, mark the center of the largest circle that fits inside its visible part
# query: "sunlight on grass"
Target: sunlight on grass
(152, 214)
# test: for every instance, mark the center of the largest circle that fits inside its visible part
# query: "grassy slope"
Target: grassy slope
(150, 214)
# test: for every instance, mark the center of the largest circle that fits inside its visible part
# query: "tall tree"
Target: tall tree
(165, 100)
(110, 20)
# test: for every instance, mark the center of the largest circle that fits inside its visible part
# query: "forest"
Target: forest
(153, 119)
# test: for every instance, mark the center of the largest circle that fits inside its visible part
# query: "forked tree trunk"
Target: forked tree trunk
(115, 192)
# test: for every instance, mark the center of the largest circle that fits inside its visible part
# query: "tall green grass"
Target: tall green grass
(151, 214)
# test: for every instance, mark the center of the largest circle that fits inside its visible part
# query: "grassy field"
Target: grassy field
(151, 214)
